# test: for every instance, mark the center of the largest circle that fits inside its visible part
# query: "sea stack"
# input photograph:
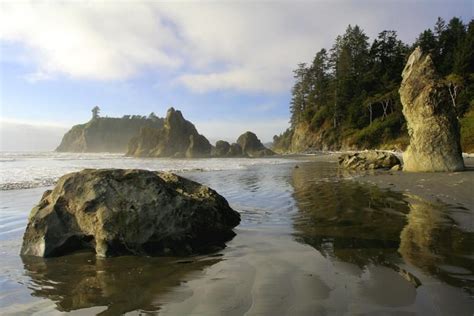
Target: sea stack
(252, 146)
(431, 119)
(177, 138)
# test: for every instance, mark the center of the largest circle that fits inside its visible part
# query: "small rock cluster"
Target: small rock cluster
(179, 138)
(370, 160)
(247, 145)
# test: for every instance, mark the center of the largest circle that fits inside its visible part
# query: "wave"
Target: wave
(26, 170)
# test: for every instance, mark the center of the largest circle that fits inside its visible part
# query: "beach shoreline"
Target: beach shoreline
(453, 188)
(313, 240)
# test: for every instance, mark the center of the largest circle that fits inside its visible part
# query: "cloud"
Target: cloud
(244, 46)
(89, 40)
(243, 79)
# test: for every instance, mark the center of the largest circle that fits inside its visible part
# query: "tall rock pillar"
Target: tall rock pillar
(431, 119)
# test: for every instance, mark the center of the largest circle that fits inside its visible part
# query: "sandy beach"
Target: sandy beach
(455, 188)
(313, 241)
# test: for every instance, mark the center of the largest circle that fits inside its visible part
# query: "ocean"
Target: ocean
(313, 241)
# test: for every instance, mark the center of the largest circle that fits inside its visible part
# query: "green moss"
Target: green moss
(378, 133)
(467, 132)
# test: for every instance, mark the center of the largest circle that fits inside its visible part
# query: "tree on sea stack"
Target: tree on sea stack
(431, 118)
(95, 112)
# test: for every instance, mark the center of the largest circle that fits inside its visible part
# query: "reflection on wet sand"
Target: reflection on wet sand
(432, 241)
(120, 284)
(359, 250)
(367, 226)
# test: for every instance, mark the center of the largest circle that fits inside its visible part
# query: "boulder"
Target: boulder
(235, 151)
(252, 146)
(431, 119)
(225, 150)
(369, 160)
(199, 147)
(174, 139)
(221, 149)
(117, 212)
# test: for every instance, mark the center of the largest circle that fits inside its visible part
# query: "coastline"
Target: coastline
(453, 188)
(312, 240)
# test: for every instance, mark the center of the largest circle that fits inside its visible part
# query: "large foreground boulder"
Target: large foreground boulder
(369, 160)
(116, 212)
(431, 119)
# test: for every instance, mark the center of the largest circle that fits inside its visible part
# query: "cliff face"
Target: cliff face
(177, 138)
(305, 139)
(105, 134)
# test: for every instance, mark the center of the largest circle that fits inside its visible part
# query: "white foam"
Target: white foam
(24, 170)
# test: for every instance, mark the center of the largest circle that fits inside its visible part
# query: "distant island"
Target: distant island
(348, 98)
(140, 136)
(106, 134)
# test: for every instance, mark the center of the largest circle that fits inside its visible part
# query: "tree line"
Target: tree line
(351, 90)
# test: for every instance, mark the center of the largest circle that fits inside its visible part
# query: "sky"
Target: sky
(227, 65)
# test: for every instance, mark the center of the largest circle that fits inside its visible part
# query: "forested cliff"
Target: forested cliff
(347, 97)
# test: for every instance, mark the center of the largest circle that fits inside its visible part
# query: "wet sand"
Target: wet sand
(313, 241)
(456, 188)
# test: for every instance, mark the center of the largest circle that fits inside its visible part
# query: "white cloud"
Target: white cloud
(90, 40)
(246, 79)
(238, 45)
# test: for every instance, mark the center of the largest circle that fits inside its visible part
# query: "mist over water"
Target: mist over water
(311, 241)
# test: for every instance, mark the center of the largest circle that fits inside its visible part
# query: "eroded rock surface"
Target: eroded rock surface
(252, 146)
(117, 211)
(431, 119)
(369, 160)
(177, 138)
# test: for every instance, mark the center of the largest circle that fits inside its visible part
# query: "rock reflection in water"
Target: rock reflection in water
(432, 241)
(120, 284)
(364, 225)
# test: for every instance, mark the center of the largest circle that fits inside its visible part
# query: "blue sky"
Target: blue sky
(227, 65)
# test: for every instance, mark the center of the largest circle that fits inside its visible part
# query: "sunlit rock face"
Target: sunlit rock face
(431, 119)
(118, 211)
(177, 138)
(369, 160)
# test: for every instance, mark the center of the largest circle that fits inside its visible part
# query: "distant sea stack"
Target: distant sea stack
(252, 146)
(431, 119)
(177, 138)
(106, 134)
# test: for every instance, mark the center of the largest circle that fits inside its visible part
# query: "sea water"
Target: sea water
(310, 242)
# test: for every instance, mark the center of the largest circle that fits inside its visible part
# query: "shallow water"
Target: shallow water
(310, 242)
